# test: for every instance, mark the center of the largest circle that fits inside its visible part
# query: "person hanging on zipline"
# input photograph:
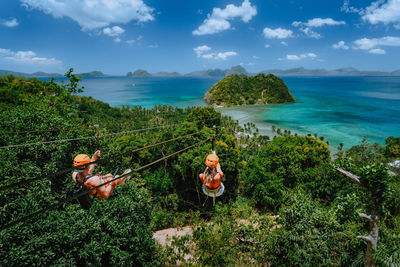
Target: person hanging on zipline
(212, 176)
(82, 175)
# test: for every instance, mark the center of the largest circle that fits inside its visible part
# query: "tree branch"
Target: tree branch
(370, 218)
(368, 239)
(352, 177)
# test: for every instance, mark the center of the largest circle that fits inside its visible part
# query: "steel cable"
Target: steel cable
(32, 215)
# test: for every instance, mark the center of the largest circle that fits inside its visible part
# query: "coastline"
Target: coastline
(249, 113)
(256, 115)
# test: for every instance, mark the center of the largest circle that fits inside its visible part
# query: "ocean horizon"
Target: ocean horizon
(342, 109)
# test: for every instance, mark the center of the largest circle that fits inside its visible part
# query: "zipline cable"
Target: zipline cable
(25, 182)
(101, 135)
(32, 215)
(47, 130)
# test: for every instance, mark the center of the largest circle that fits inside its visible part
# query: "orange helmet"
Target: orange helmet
(80, 160)
(212, 160)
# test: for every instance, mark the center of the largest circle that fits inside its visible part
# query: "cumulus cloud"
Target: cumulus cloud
(277, 33)
(94, 14)
(318, 22)
(284, 43)
(10, 23)
(218, 20)
(267, 46)
(203, 52)
(26, 57)
(383, 12)
(374, 45)
(114, 31)
(300, 57)
(350, 9)
(200, 50)
(377, 51)
(306, 27)
(368, 44)
(340, 45)
(225, 55)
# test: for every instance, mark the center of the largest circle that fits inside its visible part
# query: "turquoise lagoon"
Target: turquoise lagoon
(342, 109)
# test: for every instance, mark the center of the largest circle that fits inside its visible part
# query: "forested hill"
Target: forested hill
(243, 90)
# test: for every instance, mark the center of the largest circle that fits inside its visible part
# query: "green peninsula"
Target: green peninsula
(245, 90)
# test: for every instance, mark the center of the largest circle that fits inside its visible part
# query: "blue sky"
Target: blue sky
(117, 36)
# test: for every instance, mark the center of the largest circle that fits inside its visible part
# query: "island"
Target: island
(245, 90)
(139, 73)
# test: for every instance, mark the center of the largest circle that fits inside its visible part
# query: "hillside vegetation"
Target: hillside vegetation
(284, 203)
(244, 90)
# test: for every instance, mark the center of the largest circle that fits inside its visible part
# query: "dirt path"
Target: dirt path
(164, 237)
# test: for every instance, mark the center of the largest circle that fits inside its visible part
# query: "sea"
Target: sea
(341, 109)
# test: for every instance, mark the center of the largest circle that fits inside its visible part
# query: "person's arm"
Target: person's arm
(219, 170)
(95, 157)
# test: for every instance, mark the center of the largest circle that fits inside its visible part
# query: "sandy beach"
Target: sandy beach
(245, 114)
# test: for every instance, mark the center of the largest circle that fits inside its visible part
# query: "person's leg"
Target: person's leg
(104, 191)
(201, 177)
(217, 180)
(124, 179)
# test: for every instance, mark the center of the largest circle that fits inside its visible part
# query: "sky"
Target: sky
(117, 36)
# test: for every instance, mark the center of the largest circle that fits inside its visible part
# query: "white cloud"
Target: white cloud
(267, 46)
(26, 57)
(130, 42)
(225, 55)
(114, 31)
(340, 45)
(350, 9)
(277, 33)
(302, 56)
(218, 21)
(367, 44)
(373, 45)
(94, 14)
(10, 23)
(202, 52)
(256, 57)
(318, 22)
(284, 43)
(383, 12)
(208, 56)
(377, 51)
(310, 33)
(306, 27)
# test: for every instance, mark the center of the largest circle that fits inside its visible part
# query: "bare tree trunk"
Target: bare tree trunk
(371, 239)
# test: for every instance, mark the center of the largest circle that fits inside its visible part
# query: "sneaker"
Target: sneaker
(126, 178)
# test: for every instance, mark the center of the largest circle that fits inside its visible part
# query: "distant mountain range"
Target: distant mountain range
(44, 74)
(220, 73)
(349, 71)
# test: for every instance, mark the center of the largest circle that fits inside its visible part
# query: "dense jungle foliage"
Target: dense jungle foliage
(242, 90)
(284, 204)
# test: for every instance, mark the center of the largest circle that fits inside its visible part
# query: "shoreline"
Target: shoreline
(254, 113)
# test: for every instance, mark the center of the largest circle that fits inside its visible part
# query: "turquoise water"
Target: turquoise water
(342, 109)
(147, 92)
